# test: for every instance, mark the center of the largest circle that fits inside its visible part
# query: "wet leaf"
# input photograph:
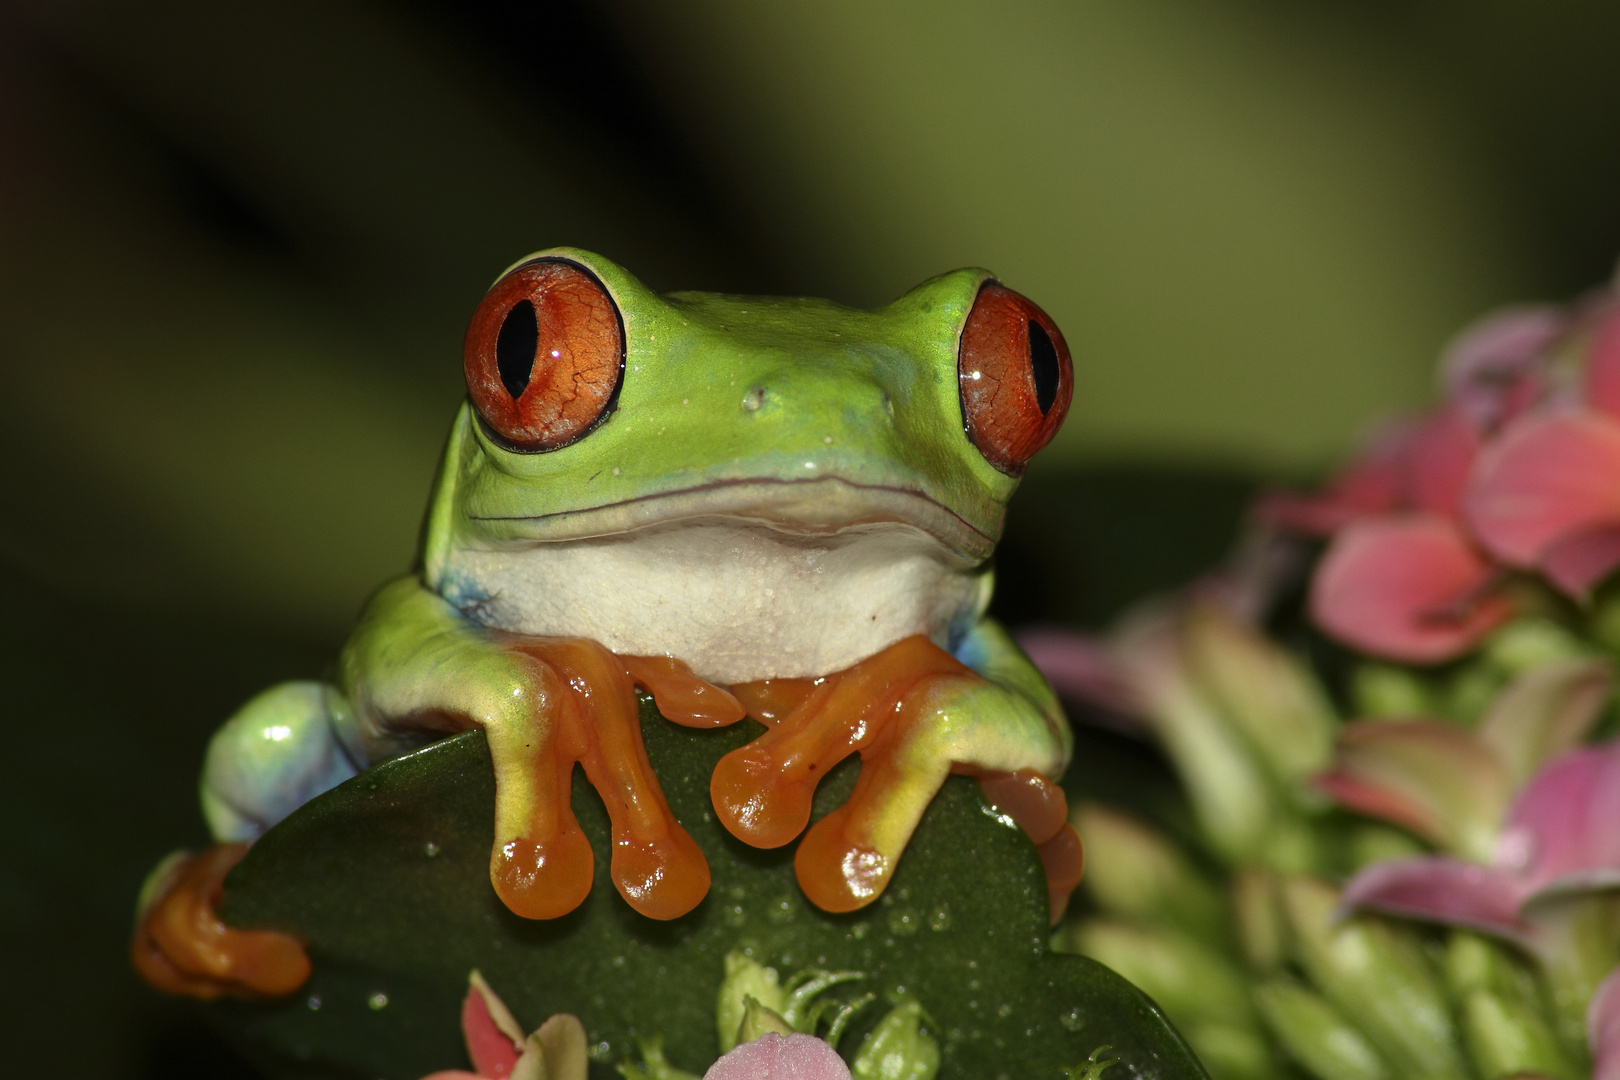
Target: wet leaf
(386, 879)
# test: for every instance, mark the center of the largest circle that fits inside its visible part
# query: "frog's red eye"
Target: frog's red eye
(1015, 377)
(544, 355)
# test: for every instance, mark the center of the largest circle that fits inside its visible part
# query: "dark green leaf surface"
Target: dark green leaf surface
(386, 879)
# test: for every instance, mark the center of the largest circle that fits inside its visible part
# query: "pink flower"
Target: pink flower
(1509, 473)
(1491, 373)
(1402, 578)
(1546, 496)
(1421, 466)
(1559, 837)
(1408, 587)
(1492, 370)
(498, 1048)
(780, 1057)
(1544, 886)
(1455, 787)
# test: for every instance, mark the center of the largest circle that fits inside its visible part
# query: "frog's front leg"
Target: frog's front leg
(415, 663)
(915, 714)
(279, 750)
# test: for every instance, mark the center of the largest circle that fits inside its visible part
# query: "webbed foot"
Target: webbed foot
(587, 712)
(182, 947)
(915, 714)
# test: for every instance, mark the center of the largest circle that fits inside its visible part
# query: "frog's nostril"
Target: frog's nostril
(753, 399)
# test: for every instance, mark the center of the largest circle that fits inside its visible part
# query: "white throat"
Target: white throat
(736, 600)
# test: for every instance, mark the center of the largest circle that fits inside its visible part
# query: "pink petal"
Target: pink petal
(1372, 484)
(1561, 832)
(1488, 367)
(1603, 366)
(1414, 466)
(452, 1074)
(1603, 1029)
(780, 1057)
(1578, 561)
(493, 1053)
(1546, 478)
(1435, 778)
(1375, 800)
(1441, 890)
(1409, 588)
(1437, 463)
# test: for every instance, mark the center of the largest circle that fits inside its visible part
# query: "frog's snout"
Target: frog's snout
(850, 407)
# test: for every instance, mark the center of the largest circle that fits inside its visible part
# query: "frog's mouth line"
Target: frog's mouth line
(818, 507)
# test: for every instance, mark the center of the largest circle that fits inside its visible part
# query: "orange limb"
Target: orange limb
(1042, 811)
(1065, 861)
(182, 947)
(762, 791)
(542, 865)
(769, 700)
(682, 696)
(880, 708)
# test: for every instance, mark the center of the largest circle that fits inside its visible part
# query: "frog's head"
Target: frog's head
(598, 407)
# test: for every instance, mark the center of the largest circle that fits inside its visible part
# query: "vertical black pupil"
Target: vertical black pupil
(515, 346)
(1043, 365)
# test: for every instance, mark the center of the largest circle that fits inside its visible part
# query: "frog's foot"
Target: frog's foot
(181, 946)
(909, 712)
(1042, 811)
(586, 712)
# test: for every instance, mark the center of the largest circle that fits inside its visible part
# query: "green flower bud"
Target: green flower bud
(1316, 1035)
(1093, 1067)
(1133, 870)
(898, 1048)
(1378, 977)
(1530, 642)
(1232, 1052)
(1259, 918)
(1470, 692)
(1545, 711)
(1578, 944)
(1371, 843)
(1263, 692)
(744, 979)
(654, 1066)
(1228, 788)
(1387, 692)
(759, 1020)
(1504, 1037)
(1475, 962)
(1189, 980)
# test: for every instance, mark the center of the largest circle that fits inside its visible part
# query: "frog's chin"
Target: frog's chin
(821, 507)
(738, 599)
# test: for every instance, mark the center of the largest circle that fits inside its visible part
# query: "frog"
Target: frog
(782, 509)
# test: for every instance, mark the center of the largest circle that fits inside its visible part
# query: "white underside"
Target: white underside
(736, 600)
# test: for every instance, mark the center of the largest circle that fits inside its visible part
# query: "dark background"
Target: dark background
(238, 245)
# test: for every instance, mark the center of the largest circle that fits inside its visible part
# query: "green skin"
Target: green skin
(795, 422)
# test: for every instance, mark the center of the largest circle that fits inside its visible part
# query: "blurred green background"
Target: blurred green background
(239, 244)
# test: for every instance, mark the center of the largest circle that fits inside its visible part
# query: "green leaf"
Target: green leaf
(386, 880)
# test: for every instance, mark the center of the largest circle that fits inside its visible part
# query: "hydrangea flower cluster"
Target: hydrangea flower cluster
(1515, 476)
(1405, 863)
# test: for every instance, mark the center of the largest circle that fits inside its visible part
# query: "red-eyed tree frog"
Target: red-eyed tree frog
(780, 508)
